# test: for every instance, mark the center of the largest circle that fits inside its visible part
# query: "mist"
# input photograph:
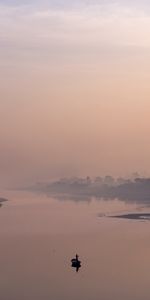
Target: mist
(74, 89)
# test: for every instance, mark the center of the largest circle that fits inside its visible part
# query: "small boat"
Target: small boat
(76, 263)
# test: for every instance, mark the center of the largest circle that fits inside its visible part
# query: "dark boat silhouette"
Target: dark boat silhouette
(76, 263)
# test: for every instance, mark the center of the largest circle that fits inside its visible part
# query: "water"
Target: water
(40, 235)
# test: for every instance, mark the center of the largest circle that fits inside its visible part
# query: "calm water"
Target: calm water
(40, 235)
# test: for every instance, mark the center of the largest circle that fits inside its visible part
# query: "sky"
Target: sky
(74, 89)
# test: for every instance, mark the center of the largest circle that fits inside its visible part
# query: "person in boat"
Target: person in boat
(77, 256)
(75, 260)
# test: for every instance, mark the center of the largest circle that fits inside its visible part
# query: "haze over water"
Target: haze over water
(40, 235)
(74, 107)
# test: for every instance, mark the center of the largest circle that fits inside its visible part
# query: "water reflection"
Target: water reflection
(116, 253)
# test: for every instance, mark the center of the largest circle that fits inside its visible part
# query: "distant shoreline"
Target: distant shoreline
(3, 200)
(134, 216)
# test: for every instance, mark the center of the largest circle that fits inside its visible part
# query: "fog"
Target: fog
(74, 90)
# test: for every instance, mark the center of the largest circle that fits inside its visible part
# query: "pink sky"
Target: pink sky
(74, 90)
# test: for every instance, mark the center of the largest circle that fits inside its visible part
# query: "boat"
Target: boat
(76, 263)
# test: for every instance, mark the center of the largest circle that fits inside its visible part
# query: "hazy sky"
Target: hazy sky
(74, 89)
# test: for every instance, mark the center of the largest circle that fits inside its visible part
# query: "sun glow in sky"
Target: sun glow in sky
(74, 89)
